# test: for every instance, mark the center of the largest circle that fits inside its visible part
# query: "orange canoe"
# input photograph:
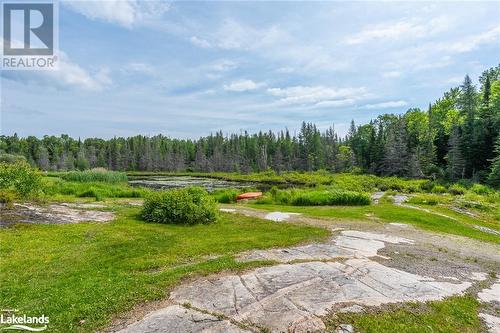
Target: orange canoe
(249, 195)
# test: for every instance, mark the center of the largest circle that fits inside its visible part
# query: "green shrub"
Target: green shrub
(480, 189)
(11, 158)
(225, 195)
(95, 175)
(457, 189)
(7, 198)
(330, 198)
(438, 189)
(192, 205)
(19, 177)
(427, 186)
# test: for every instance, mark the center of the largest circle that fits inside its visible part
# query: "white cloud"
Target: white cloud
(126, 13)
(336, 103)
(392, 74)
(232, 35)
(139, 67)
(455, 80)
(317, 94)
(271, 42)
(403, 29)
(386, 105)
(243, 85)
(200, 42)
(471, 43)
(67, 75)
(72, 74)
(223, 65)
(286, 70)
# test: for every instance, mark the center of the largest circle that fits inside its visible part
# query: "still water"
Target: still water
(168, 182)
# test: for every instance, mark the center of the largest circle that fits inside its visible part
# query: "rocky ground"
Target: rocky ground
(61, 213)
(363, 265)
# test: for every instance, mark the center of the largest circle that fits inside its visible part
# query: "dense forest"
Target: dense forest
(457, 137)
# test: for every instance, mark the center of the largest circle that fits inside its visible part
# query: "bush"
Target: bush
(95, 175)
(7, 198)
(331, 198)
(457, 189)
(427, 186)
(438, 189)
(19, 177)
(225, 195)
(480, 189)
(10, 158)
(189, 206)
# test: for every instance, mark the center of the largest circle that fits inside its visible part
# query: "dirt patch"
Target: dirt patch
(65, 213)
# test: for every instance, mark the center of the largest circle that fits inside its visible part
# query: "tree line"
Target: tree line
(456, 137)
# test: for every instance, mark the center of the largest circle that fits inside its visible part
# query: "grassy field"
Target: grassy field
(81, 275)
(454, 315)
(462, 226)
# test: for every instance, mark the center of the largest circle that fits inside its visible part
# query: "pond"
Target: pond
(169, 182)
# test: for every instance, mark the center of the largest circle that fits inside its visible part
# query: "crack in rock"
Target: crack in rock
(291, 297)
(176, 318)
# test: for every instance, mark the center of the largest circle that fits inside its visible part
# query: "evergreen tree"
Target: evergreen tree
(494, 176)
(455, 160)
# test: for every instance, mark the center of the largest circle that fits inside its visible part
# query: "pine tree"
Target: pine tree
(456, 163)
(395, 161)
(467, 103)
(494, 176)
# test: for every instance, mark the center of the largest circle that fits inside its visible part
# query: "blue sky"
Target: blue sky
(186, 69)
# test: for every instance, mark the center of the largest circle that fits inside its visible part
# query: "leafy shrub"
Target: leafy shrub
(457, 189)
(427, 186)
(438, 189)
(19, 177)
(95, 175)
(480, 189)
(7, 198)
(330, 198)
(10, 158)
(189, 206)
(225, 195)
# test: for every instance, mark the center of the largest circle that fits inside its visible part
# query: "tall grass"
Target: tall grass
(315, 197)
(97, 190)
(225, 195)
(331, 198)
(95, 175)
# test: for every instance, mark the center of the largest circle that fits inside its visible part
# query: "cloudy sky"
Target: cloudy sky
(185, 69)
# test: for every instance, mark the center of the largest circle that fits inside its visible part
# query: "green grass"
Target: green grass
(95, 175)
(225, 195)
(54, 187)
(391, 213)
(315, 197)
(81, 275)
(456, 314)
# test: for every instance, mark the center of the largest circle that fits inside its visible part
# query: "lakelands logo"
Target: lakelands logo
(22, 322)
(29, 31)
